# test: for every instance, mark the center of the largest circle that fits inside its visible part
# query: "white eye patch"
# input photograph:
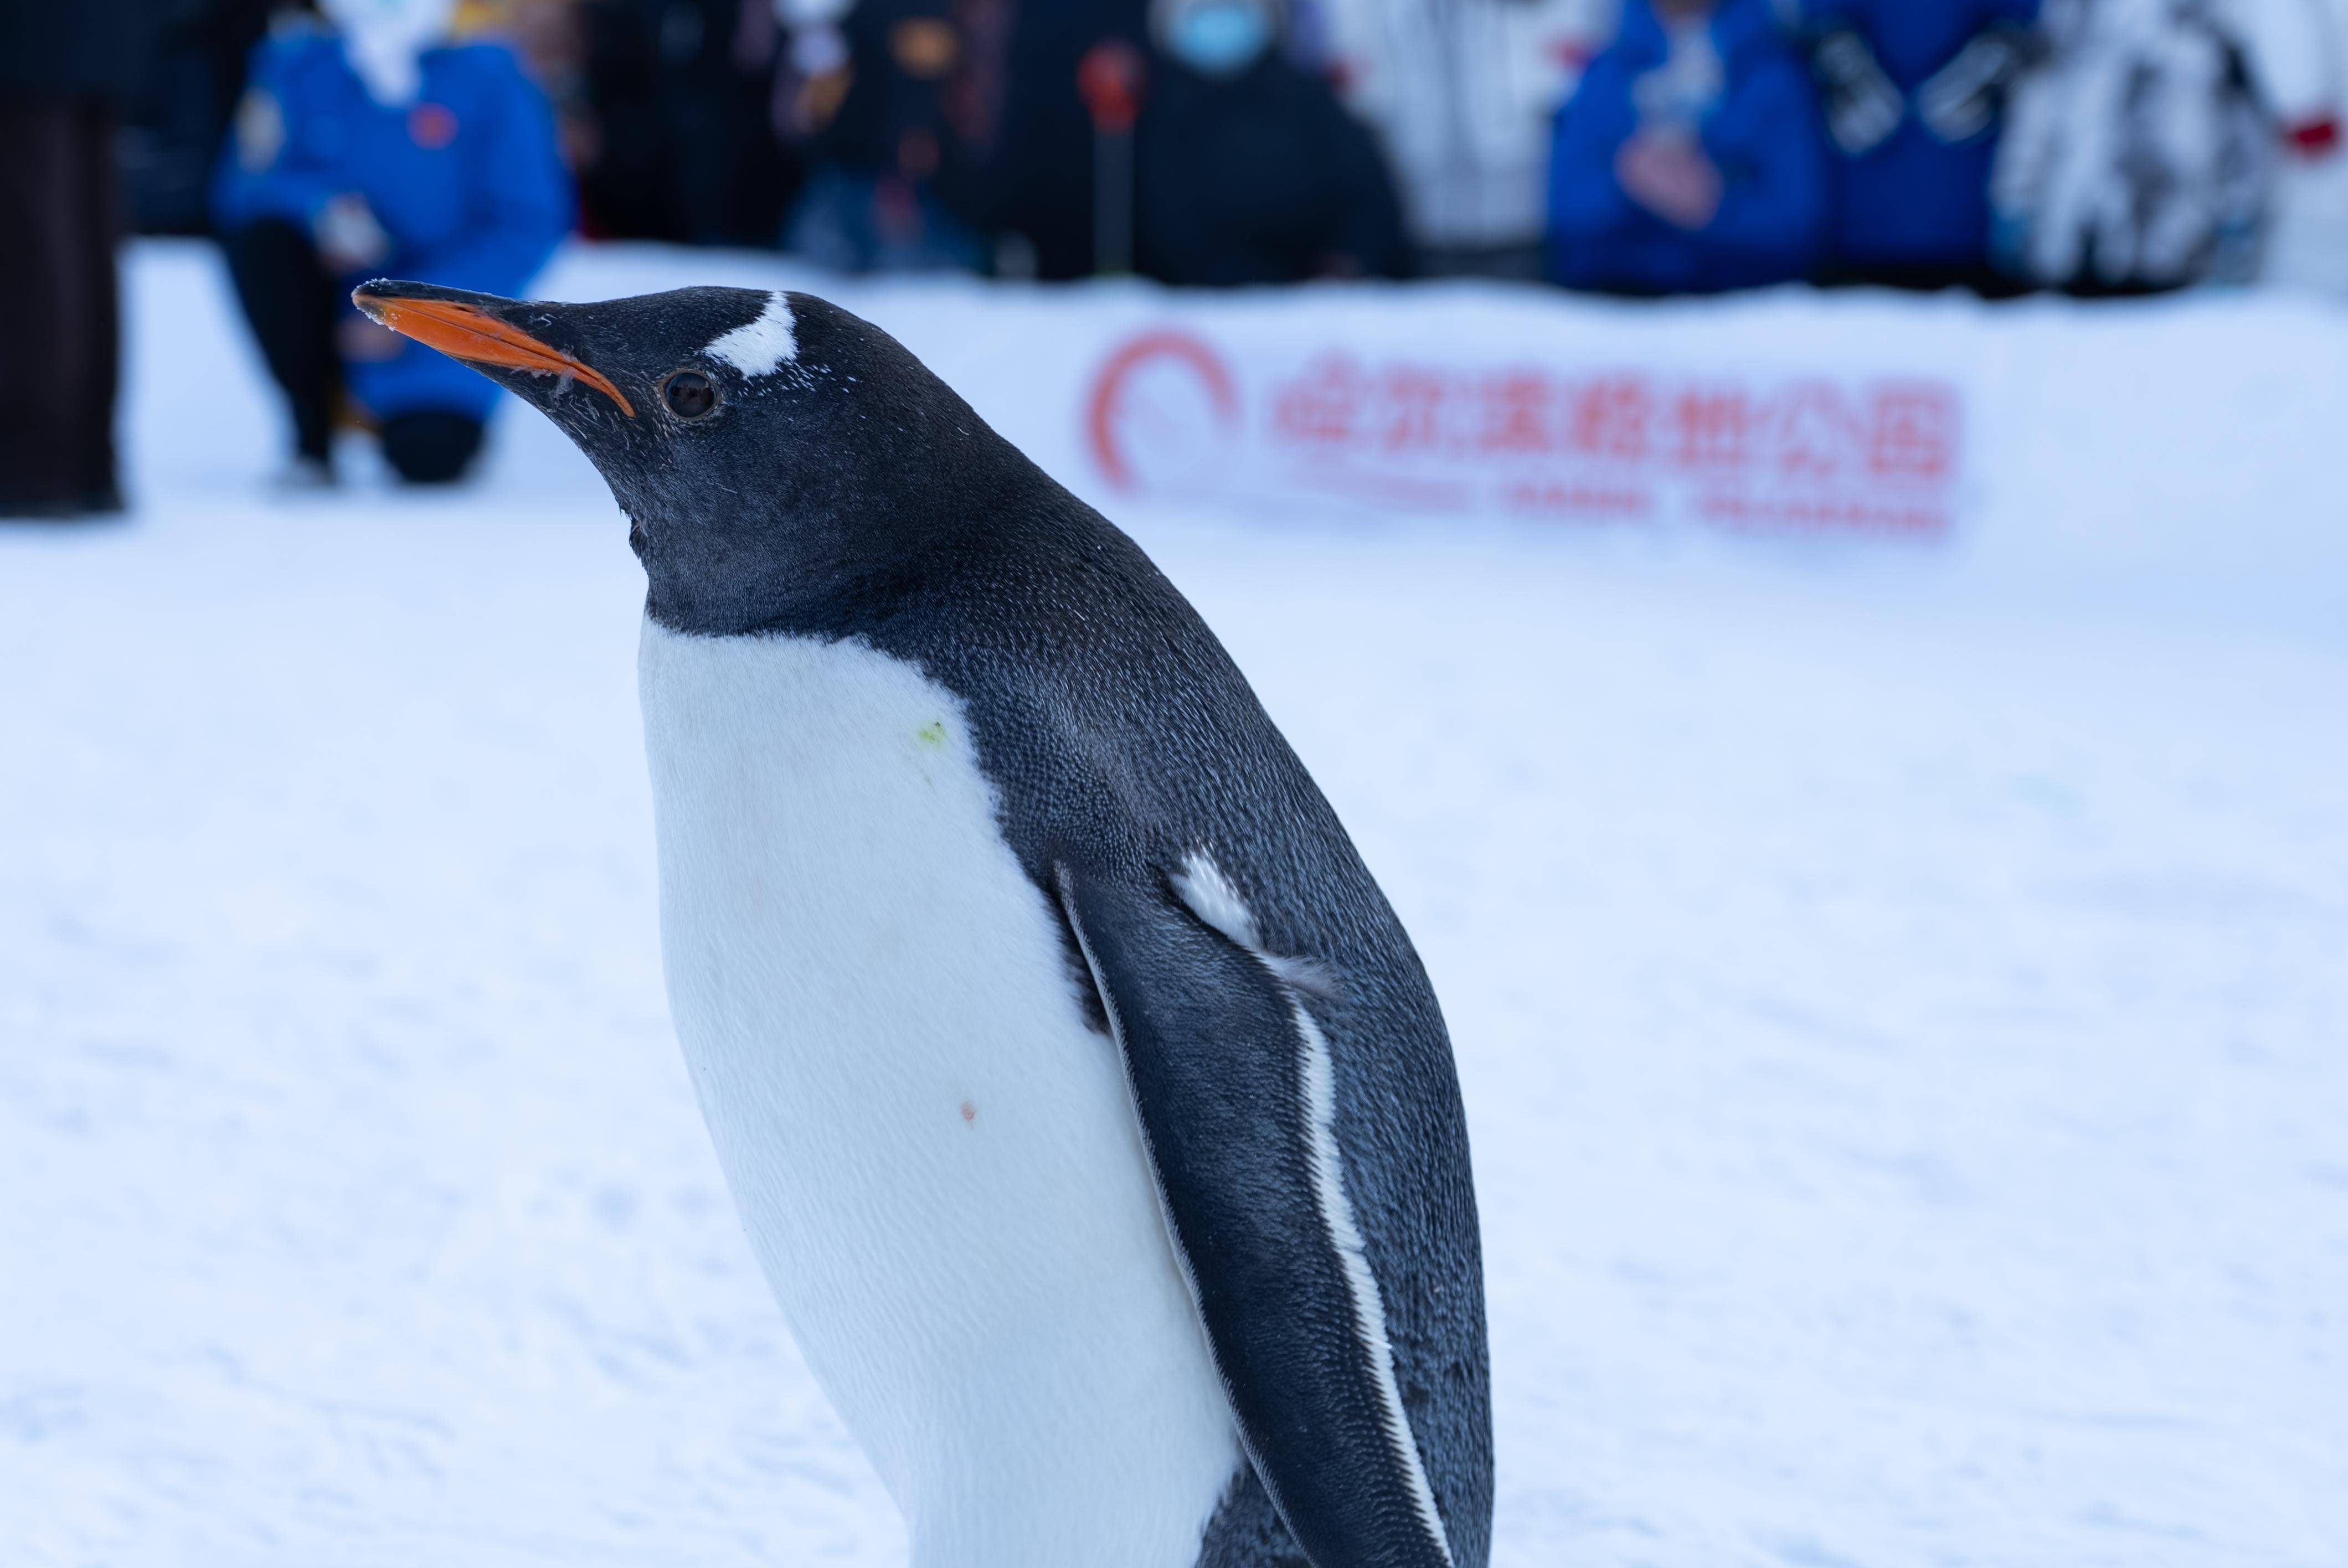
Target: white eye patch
(763, 346)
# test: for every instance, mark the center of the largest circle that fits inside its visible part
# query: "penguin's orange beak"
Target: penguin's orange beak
(470, 333)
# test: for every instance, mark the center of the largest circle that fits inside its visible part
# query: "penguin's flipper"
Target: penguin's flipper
(1236, 1090)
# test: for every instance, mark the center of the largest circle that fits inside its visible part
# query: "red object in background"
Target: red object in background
(1110, 79)
(2317, 138)
(1572, 54)
(431, 126)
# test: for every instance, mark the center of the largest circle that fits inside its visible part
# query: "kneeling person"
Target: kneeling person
(382, 144)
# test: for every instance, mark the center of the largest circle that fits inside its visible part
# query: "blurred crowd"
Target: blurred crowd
(1637, 146)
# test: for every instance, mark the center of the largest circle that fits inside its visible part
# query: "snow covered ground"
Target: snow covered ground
(1903, 1012)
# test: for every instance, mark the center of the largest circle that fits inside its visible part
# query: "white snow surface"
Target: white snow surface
(1901, 995)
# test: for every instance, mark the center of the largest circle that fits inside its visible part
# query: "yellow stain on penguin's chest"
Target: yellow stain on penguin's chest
(928, 739)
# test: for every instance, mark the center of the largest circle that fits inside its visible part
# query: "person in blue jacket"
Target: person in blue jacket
(1689, 159)
(1915, 93)
(381, 147)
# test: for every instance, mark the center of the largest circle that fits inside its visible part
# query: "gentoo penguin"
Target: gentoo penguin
(1085, 1104)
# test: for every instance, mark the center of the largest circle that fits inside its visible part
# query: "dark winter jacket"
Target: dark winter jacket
(1915, 200)
(69, 49)
(1762, 132)
(681, 98)
(1264, 179)
(466, 182)
(900, 116)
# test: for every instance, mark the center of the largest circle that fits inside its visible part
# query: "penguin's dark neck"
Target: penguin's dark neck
(821, 548)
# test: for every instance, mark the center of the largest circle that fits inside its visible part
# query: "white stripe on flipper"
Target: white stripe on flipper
(763, 346)
(1212, 897)
(1209, 893)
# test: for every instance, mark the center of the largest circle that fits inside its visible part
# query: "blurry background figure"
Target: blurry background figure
(383, 147)
(893, 105)
(674, 130)
(2297, 56)
(1248, 170)
(1465, 94)
(1690, 158)
(1915, 93)
(2138, 158)
(551, 39)
(171, 131)
(1041, 178)
(66, 67)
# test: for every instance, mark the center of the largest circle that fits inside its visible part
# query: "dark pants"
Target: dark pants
(57, 351)
(293, 304)
(1979, 277)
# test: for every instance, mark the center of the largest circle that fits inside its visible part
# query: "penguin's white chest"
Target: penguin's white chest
(937, 1162)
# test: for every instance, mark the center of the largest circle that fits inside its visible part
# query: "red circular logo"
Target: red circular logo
(1164, 401)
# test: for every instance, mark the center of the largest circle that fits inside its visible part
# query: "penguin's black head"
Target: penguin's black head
(769, 449)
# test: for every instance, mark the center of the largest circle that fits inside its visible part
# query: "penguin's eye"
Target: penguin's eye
(689, 393)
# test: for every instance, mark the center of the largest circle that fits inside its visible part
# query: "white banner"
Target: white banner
(1198, 414)
(2197, 439)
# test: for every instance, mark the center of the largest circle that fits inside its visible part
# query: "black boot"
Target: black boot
(430, 446)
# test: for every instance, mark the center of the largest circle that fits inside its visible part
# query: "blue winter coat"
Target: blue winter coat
(466, 182)
(1915, 200)
(1762, 133)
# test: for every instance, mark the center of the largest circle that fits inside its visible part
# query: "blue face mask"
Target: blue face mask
(1220, 38)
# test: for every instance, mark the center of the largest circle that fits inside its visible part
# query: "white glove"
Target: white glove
(797, 13)
(1961, 100)
(349, 239)
(1863, 109)
(818, 50)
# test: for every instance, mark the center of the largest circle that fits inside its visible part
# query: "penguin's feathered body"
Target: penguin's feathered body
(933, 1152)
(1089, 1108)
